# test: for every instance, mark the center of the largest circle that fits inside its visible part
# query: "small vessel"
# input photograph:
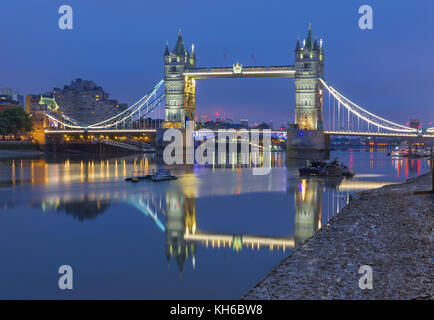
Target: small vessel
(150, 175)
(399, 151)
(333, 168)
(411, 152)
(420, 153)
(142, 175)
(163, 176)
(312, 168)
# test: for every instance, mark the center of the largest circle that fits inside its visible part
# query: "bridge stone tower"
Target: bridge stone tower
(180, 221)
(307, 139)
(180, 91)
(307, 210)
(309, 65)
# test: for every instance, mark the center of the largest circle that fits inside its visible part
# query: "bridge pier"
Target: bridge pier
(307, 144)
(184, 143)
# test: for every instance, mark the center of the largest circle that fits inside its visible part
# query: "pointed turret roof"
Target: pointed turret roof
(193, 54)
(297, 45)
(180, 261)
(179, 47)
(315, 45)
(167, 52)
(309, 42)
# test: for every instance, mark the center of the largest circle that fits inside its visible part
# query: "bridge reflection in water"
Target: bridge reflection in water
(85, 189)
(174, 213)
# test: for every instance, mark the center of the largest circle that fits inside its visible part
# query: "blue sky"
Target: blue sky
(119, 44)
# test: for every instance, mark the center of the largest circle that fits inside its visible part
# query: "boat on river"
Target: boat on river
(331, 168)
(151, 175)
(142, 175)
(163, 176)
(411, 152)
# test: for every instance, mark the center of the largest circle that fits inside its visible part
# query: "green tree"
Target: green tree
(14, 121)
(3, 126)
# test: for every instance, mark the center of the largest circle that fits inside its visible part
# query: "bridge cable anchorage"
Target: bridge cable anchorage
(365, 115)
(137, 111)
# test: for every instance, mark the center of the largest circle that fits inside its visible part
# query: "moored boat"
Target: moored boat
(332, 168)
(163, 176)
(151, 176)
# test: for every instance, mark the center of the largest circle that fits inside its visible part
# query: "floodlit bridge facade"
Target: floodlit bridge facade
(320, 109)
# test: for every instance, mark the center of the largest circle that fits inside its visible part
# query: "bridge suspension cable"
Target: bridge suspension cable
(361, 114)
(137, 111)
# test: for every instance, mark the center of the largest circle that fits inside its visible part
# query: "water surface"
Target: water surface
(211, 234)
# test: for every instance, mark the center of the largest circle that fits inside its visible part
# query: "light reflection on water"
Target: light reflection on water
(213, 233)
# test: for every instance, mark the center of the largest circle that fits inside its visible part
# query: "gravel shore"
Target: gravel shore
(389, 229)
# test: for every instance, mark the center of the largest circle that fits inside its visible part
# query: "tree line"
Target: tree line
(14, 122)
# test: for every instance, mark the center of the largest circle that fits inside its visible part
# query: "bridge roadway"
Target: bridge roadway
(281, 134)
(378, 134)
(245, 72)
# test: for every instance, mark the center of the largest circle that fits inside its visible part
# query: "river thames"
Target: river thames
(211, 234)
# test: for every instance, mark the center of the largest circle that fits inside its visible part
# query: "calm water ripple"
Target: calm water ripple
(213, 233)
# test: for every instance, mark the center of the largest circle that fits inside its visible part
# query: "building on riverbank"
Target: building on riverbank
(85, 101)
(10, 99)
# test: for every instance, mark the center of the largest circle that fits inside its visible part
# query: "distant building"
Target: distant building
(262, 126)
(86, 102)
(219, 118)
(36, 110)
(10, 99)
(415, 124)
(204, 118)
(13, 96)
(244, 123)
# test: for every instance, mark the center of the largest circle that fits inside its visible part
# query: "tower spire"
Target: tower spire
(309, 42)
(297, 45)
(167, 52)
(179, 46)
(315, 44)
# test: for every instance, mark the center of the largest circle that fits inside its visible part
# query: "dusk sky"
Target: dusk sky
(120, 44)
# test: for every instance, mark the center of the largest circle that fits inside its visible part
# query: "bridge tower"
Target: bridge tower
(309, 65)
(307, 210)
(308, 133)
(180, 91)
(180, 220)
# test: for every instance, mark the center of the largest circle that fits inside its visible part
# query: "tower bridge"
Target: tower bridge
(321, 110)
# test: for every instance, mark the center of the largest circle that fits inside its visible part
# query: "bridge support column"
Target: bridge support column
(186, 143)
(180, 90)
(39, 135)
(307, 144)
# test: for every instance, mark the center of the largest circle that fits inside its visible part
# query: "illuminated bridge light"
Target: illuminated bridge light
(354, 185)
(240, 241)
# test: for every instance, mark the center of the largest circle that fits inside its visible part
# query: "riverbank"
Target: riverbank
(389, 229)
(18, 154)
(19, 149)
